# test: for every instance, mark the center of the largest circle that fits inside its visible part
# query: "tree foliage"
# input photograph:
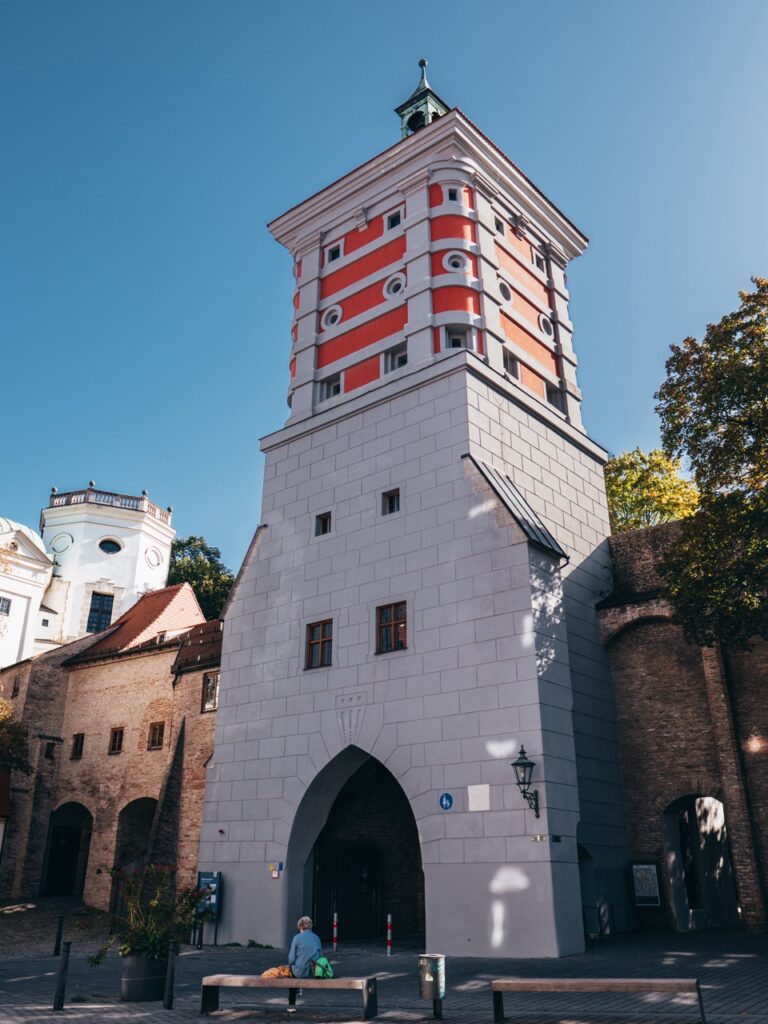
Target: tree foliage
(14, 755)
(714, 412)
(194, 561)
(645, 490)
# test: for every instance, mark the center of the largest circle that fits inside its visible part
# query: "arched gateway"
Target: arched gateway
(354, 850)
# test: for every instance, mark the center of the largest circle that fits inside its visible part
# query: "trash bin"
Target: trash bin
(432, 980)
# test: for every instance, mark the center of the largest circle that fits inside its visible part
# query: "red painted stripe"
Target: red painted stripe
(385, 254)
(362, 373)
(355, 240)
(360, 337)
(455, 298)
(365, 299)
(452, 226)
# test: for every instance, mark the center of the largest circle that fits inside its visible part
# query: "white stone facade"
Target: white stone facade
(25, 573)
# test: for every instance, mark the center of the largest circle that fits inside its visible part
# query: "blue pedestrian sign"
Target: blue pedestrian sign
(446, 801)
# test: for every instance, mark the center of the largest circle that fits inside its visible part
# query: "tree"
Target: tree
(714, 412)
(645, 490)
(14, 755)
(195, 562)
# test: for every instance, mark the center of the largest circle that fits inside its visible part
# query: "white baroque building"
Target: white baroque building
(418, 603)
(97, 552)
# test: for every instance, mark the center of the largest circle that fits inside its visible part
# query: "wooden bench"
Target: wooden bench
(501, 985)
(209, 999)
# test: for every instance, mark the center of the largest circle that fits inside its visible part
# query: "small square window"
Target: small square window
(322, 524)
(393, 220)
(453, 195)
(44, 622)
(116, 741)
(511, 365)
(210, 700)
(156, 736)
(329, 388)
(396, 357)
(334, 253)
(499, 226)
(78, 741)
(539, 260)
(5, 606)
(456, 338)
(390, 502)
(555, 396)
(319, 644)
(391, 628)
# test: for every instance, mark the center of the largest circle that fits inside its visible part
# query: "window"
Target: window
(391, 629)
(546, 325)
(539, 260)
(555, 396)
(332, 316)
(319, 644)
(395, 285)
(329, 388)
(456, 337)
(456, 262)
(210, 699)
(50, 750)
(77, 746)
(511, 365)
(115, 741)
(453, 195)
(499, 225)
(395, 357)
(390, 502)
(44, 622)
(5, 606)
(16, 686)
(393, 220)
(100, 614)
(505, 291)
(322, 524)
(156, 734)
(333, 253)
(109, 547)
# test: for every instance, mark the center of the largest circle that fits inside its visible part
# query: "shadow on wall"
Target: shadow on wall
(697, 859)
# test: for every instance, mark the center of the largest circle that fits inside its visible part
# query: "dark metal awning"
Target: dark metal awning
(518, 507)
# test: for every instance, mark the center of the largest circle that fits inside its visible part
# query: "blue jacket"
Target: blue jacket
(304, 949)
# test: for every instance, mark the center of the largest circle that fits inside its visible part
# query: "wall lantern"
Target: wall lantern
(523, 772)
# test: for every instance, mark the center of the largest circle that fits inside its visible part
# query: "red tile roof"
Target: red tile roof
(200, 648)
(170, 609)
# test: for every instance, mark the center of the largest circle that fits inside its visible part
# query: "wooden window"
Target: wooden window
(156, 734)
(210, 699)
(100, 613)
(319, 644)
(322, 524)
(77, 746)
(390, 502)
(116, 741)
(391, 628)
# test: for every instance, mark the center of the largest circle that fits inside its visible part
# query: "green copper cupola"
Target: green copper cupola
(422, 107)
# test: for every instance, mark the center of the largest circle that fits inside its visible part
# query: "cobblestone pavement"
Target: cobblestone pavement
(732, 968)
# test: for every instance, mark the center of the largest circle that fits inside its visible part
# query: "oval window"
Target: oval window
(546, 325)
(109, 547)
(456, 262)
(506, 291)
(394, 285)
(332, 316)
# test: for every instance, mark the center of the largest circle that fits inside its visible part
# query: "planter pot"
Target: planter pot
(143, 979)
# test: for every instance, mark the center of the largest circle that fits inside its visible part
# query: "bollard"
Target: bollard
(335, 931)
(59, 933)
(389, 935)
(170, 974)
(61, 978)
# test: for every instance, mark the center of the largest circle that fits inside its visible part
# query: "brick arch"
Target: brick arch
(694, 785)
(633, 618)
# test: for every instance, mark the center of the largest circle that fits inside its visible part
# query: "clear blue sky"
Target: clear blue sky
(145, 309)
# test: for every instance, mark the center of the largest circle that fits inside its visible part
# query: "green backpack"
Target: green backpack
(321, 968)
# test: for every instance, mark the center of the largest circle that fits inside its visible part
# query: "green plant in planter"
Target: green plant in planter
(155, 913)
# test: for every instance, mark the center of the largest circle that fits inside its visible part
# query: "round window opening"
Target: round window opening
(506, 291)
(394, 285)
(456, 262)
(109, 547)
(546, 325)
(332, 316)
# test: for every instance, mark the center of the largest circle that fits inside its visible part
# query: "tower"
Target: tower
(108, 550)
(418, 602)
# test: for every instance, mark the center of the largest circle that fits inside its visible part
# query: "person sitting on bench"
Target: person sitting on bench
(305, 949)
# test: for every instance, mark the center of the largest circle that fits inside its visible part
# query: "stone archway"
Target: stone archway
(697, 859)
(69, 840)
(134, 828)
(354, 848)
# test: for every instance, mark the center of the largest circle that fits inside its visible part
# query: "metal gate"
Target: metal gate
(347, 880)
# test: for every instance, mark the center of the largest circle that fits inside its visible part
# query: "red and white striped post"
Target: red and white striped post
(389, 935)
(335, 931)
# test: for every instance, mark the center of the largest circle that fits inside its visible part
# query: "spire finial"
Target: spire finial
(423, 65)
(422, 107)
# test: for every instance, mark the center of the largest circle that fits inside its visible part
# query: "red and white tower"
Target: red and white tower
(418, 603)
